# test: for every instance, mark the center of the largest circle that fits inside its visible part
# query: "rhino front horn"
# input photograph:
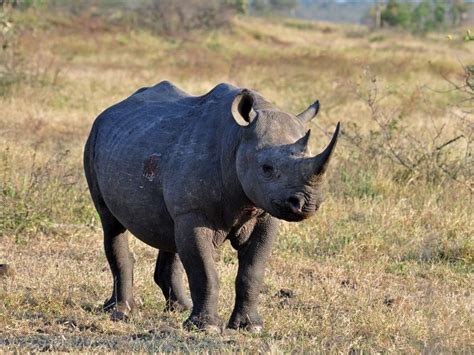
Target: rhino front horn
(321, 161)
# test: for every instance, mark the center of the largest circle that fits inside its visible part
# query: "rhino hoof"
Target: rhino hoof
(252, 324)
(251, 328)
(203, 323)
(118, 316)
(178, 306)
(121, 311)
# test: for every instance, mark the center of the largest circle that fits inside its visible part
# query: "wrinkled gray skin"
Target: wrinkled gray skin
(186, 173)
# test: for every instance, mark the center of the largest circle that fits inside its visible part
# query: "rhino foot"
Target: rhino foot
(178, 306)
(206, 323)
(121, 311)
(118, 316)
(250, 323)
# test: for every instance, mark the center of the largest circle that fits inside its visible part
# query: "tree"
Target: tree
(378, 13)
(396, 14)
(457, 11)
(428, 15)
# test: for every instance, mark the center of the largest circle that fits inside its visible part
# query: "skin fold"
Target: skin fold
(186, 173)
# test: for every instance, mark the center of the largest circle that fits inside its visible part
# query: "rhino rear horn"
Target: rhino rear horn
(321, 161)
(301, 145)
(310, 113)
(242, 108)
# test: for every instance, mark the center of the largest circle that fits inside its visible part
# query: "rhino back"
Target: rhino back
(157, 155)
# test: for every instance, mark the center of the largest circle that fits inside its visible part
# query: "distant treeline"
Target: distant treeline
(424, 16)
(416, 16)
(161, 16)
(175, 16)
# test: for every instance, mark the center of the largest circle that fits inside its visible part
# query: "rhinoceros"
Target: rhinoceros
(186, 173)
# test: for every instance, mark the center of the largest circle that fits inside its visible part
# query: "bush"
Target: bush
(433, 156)
(178, 16)
(397, 14)
(428, 16)
(42, 196)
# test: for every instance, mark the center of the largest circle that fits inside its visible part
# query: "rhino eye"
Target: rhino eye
(267, 170)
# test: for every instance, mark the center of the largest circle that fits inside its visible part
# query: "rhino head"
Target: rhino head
(274, 164)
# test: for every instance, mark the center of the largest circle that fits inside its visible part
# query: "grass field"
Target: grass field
(386, 265)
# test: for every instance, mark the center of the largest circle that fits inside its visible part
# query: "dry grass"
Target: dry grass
(387, 265)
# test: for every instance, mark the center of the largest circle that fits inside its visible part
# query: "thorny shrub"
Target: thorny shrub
(173, 17)
(50, 192)
(436, 154)
(16, 66)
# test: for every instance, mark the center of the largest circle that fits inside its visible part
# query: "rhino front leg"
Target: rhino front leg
(169, 276)
(195, 248)
(252, 259)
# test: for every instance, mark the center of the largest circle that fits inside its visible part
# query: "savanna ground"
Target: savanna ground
(387, 264)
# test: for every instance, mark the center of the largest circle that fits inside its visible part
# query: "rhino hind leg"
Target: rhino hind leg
(169, 277)
(121, 303)
(120, 260)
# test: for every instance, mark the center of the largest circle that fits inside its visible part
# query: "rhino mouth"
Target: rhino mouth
(287, 212)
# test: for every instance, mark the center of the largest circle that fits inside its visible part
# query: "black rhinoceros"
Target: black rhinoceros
(186, 173)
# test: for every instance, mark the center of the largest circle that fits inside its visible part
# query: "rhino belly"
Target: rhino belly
(147, 220)
(156, 231)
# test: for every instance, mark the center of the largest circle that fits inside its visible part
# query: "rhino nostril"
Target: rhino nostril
(295, 203)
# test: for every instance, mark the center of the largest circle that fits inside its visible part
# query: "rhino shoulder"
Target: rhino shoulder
(164, 91)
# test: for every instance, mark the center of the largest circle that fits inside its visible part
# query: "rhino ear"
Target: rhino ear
(242, 108)
(310, 113)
